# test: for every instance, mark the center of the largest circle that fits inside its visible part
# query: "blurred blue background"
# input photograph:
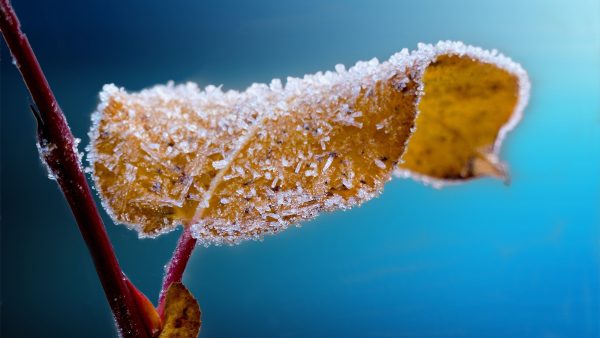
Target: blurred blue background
(476, 260)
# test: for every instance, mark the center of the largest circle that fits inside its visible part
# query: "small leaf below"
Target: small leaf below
(181, 318)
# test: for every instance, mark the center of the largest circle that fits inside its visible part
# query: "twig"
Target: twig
(58, 149)
(176, 266)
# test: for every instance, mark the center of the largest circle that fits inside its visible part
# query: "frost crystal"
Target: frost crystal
(44, 149)
(327, 164)
(219, 164)
(379, 163)
(239, 165)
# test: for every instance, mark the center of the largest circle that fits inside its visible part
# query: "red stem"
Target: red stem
(176, 266)
(60, 154)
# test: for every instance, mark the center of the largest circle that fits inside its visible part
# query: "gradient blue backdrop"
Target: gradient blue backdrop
(477, 260)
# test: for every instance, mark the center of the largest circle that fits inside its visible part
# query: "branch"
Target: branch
(176, 266)
(58, 149)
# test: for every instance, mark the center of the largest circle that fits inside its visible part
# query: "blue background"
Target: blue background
(476, 260)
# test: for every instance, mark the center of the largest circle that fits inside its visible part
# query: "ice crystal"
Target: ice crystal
(44, 149)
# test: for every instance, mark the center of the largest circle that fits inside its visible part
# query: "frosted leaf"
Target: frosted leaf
(239, 165)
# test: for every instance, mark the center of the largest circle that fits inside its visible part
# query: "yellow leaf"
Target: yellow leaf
(238, 165)
(181, 318)
(464, 107)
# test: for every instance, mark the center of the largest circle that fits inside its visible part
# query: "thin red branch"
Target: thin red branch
(176, 266)
(59, 152)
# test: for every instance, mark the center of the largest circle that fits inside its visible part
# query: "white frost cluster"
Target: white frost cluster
(44, 149)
